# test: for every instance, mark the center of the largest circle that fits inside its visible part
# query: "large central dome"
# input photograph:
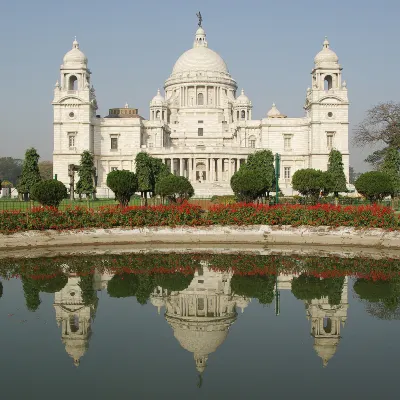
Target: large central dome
(200, 58)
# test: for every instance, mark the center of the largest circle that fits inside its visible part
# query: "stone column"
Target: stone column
(229, 169)
(181, 167)
(219, 169)
(172, 165)
(212, 171)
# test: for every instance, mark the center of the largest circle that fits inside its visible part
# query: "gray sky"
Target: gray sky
(132, 46)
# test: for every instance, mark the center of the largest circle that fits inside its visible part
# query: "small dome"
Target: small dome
(326, 348)
(326, 55)
(158, 100)
(200, 31)
(243, 99)
(75, 57)
(274, 112)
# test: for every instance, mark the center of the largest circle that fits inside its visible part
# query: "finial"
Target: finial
(242, 92)
(273, 105)
(75, 44)
(326, 43)
(158, 92)
(344, 84)
(200, 18)
(57, 85)
(126, 105)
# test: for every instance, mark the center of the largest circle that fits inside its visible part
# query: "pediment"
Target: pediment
(71, 100)
(331, 100)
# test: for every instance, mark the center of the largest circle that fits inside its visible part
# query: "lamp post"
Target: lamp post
(277, 175)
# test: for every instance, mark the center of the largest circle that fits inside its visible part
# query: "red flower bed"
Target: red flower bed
(296, 215)
(43, 218)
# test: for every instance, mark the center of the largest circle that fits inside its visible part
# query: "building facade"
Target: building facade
(200, 128)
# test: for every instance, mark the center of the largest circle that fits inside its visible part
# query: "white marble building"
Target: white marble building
(199, 126)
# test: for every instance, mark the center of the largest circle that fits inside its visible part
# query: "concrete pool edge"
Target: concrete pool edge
(261, 235)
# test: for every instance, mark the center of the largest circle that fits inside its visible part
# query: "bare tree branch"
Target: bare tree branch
(381, 126)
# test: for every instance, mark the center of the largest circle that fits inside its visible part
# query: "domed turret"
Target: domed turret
(158, 99)
(75, 57)
(243, 99)
(326, 57)
(275, 113)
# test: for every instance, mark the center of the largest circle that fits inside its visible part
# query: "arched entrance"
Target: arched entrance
(201, 172)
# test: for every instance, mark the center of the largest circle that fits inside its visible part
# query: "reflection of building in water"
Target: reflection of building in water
(326, 319)
(74, 317)
(202, 314)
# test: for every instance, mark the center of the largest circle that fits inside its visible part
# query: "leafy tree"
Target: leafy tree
(159, 171)
(144, 173)
(30, 174)
(10, 169)
(391, 167)
(306, 287)
(46, 169)
(175, 188)
(380, 127)
(49, 193)
(123, 285)
(385, 292)
(31, 293)
(259, 287)
(336, 173)
(145, 288)
(175, 282)
(89, 295)
(248, 184)
(52, 285)
(374, 185)
(309, 182)
(263, 162)
(124, 185)
(86, 173)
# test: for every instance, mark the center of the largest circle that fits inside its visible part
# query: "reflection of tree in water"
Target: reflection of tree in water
(143, 285)
(259, 287)
(33, 287)
(306, 287)
(382, 298)
(1, 289)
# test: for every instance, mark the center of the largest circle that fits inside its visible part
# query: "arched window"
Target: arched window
(74, 323)
(243, 115)
(200, 99)
(327, 325)
(73, 83)
(238, 115)
(158, 114)
(328, 82)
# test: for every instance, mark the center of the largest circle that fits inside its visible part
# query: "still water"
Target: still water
(193, 326)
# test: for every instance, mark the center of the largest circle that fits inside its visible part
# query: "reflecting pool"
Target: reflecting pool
(191, 325)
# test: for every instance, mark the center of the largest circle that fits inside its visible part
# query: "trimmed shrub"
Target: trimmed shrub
(176, 188)
(49, 193)
(374, 185)
(248, 184)
(124, 184)
(309, 182)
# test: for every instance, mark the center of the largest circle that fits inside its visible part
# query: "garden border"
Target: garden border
(227, 235)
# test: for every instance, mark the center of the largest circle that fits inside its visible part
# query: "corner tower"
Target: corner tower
(74, 106)
(327, 108)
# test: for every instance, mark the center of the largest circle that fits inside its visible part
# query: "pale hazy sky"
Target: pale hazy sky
(269, 47)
